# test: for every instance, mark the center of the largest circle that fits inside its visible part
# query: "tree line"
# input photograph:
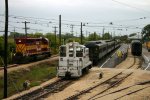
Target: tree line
(67, 37)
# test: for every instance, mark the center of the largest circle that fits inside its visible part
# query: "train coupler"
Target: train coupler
(67, 75)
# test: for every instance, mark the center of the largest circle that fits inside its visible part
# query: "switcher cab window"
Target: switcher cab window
(79, 52)
(62, 51)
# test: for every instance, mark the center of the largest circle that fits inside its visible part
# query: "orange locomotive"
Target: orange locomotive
(29, 49)
(147, 45)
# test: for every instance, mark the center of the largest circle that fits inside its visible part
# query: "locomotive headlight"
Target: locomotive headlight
(19, 41)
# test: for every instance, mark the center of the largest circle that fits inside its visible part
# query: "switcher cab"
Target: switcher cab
(73, 60)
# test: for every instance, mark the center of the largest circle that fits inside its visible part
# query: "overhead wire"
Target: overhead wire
(44, 23)
(125, 4)
(50, 20)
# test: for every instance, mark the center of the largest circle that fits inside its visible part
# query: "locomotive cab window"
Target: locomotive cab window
(70, 51)
(62, 51)
(79, 52)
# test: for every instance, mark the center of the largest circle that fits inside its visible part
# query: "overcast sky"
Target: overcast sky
(130, 15)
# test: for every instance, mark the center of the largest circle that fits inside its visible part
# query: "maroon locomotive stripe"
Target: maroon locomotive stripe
(31, 51)
(44, 49)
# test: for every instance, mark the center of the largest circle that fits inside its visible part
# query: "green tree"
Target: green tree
(124, 38)
(68, 37)
(54, 46)
(11, 47)
(51, 38)
(37, 34)
(106, 36)
(146, 33)
(93, 36)
(15, 34)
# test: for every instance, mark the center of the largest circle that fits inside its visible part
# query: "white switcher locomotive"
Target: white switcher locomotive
(73, 60)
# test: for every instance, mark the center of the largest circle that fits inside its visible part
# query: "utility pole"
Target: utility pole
(99, 35)
(81, 34)
(55, 35)
(103, 32)
(59, 30)
(111, 35)
(114, 33)
(5, 49)
(14, 29)
(86, 33)
(71, 26)
(95, 35)
(26, 27)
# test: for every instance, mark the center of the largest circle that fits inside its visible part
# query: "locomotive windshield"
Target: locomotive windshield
(79, 52)
(70, 51)
(62, 51)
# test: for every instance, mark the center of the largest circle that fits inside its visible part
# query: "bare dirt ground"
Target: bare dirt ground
(24, 66)
(92, 78)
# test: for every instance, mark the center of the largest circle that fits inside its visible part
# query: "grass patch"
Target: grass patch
(35, 74)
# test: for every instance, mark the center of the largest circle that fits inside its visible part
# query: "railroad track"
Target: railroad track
(124, 88)
(111, 82)
(10, 66)
(133, 64)
(129, 93)
(54, 87)
(16, 65)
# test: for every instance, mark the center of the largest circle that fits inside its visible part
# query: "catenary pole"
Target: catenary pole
(26, 27)
(81, 34)
(59, 30)
(5, 49)
(55, 30)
